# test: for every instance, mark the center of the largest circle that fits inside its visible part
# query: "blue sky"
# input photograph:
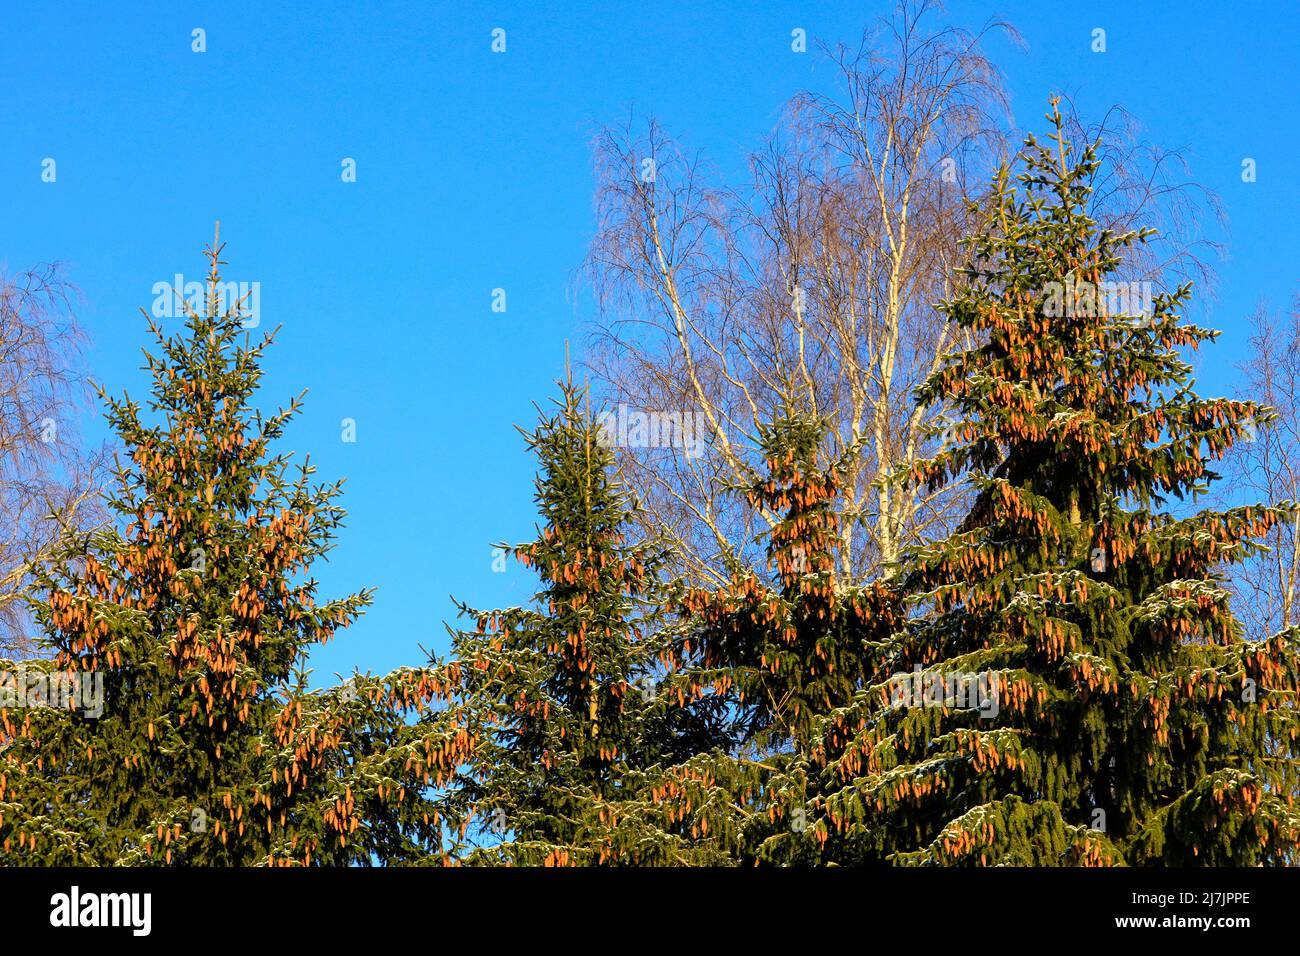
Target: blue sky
(474, 173)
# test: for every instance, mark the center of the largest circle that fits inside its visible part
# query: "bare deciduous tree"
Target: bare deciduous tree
(43, 468)
(811, 290)
(1267, 468)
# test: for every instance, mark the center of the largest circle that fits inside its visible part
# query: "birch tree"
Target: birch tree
(808, 291)
(1268, 467)
(44, 470)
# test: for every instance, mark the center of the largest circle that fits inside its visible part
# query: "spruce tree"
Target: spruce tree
(1128, 720)
(777, 652)
(195, 610)
(798, 644)
(567, 705)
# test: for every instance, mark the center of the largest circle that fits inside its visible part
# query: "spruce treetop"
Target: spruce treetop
(195, 608)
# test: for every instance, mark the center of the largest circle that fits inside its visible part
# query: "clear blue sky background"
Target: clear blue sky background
(474, 173)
